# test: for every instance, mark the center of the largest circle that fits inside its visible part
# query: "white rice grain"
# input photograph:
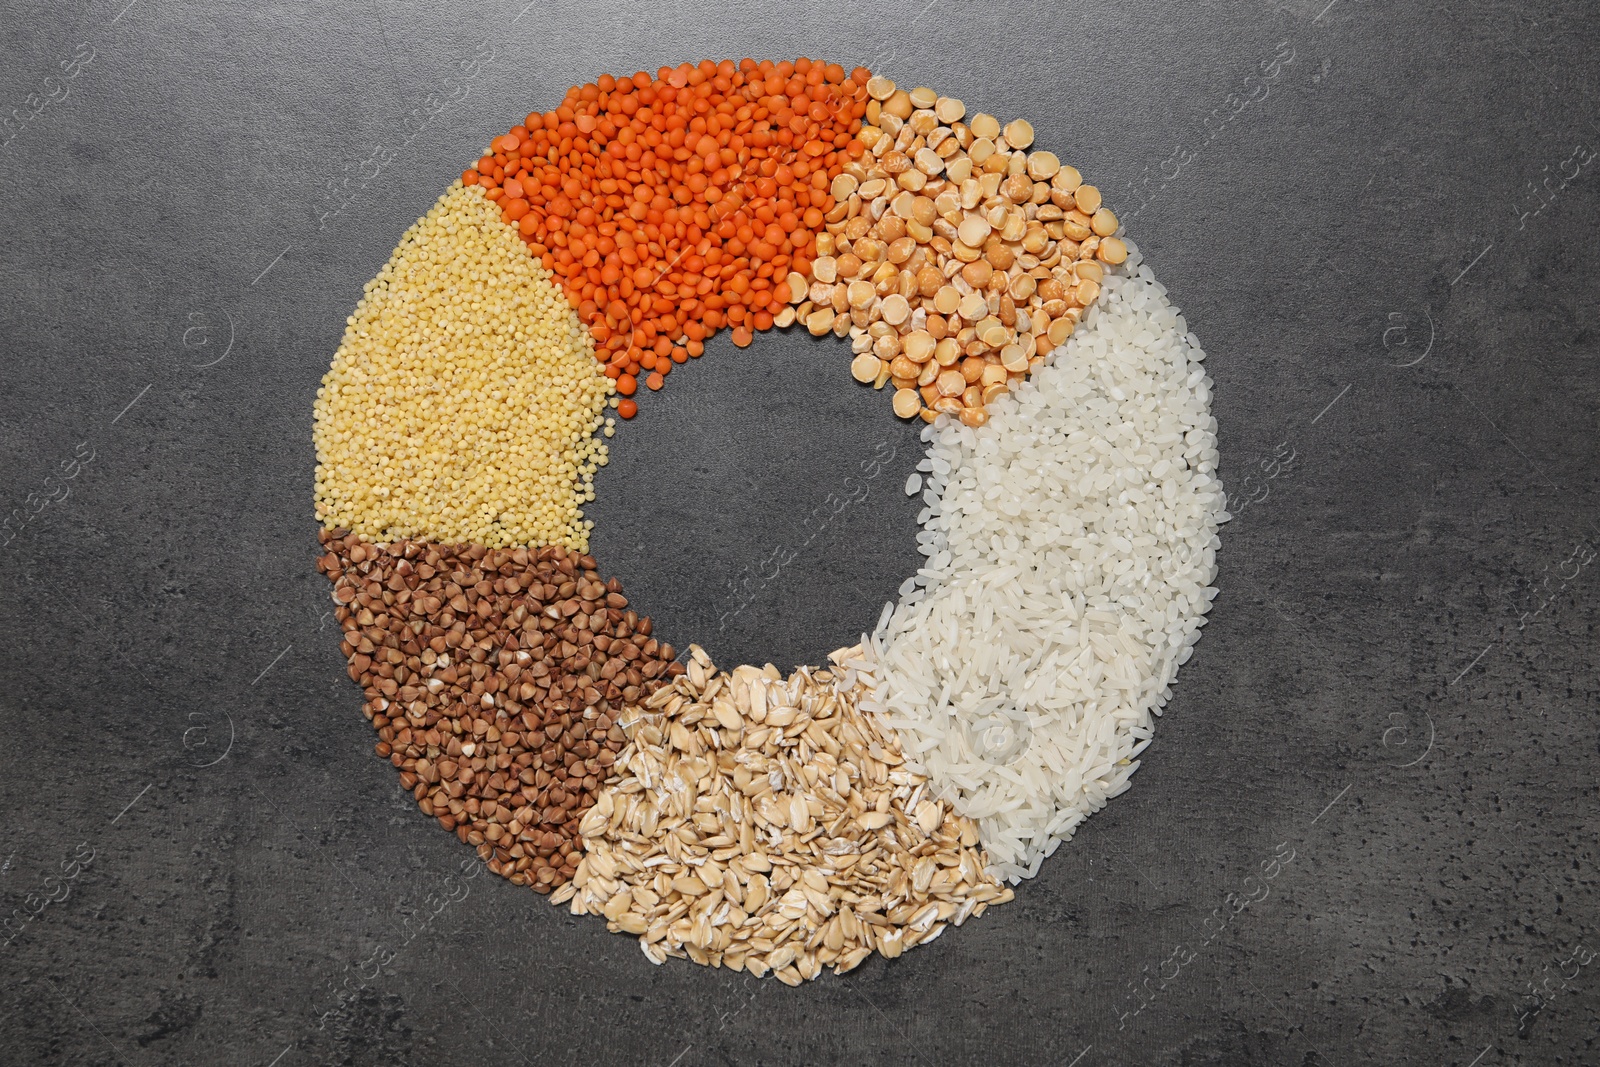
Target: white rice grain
(1071, 546)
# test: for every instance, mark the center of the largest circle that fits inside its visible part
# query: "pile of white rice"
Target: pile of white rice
(1071, 547)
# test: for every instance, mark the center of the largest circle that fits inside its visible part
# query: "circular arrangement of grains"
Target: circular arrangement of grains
(746, 818)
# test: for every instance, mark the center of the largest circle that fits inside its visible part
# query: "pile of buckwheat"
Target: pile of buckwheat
(495, 678)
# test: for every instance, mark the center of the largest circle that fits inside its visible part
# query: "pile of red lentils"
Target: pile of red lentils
(669, 207)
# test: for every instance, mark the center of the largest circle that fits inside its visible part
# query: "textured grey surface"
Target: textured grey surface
(203, 862)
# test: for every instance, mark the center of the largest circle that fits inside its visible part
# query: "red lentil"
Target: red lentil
(670, 207)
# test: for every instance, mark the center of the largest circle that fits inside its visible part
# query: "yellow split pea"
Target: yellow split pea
(463, 401)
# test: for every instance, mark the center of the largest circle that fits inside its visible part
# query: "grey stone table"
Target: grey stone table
(1381, 221)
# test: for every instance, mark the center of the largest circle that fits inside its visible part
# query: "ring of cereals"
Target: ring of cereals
(745, 818)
